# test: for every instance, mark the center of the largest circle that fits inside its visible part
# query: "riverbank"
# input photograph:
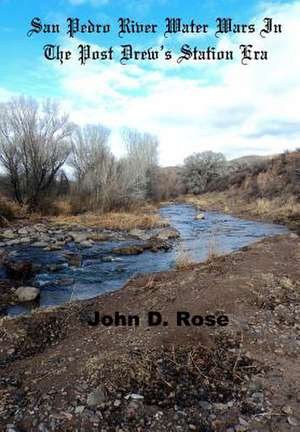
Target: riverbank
(283, 210)
(59, 373)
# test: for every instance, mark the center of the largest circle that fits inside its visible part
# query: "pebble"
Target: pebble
(96, 397)
(293, 421)
(79, 409)
(134, 396)
(287, 410)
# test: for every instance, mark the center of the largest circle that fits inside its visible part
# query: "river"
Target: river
(95, 276)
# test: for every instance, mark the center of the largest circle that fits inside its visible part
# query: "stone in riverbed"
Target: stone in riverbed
(129, 250)
(99, 237)
(25, 240)
(110, 258)
(13, 242)
(157, 245)
(200, 216)
(40, 244)
(153, 245)
(23, 231)
(86, 243)
(27, 294)
(8, 234)
(78, 237)
(140, 234)
(168, 233)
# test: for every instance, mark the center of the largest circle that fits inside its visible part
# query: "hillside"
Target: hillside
(269, 189)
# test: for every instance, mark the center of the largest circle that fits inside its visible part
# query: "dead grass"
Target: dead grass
(183, 260)
(208, 201)
(176, 374)
(213, 251)
(8, 210)
(121, 221)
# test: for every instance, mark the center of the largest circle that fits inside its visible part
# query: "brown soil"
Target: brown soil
(244, 377)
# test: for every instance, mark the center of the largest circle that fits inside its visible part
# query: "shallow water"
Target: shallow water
(218, 231)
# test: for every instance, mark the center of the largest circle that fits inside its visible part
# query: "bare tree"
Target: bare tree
(140, 164)
(94, 166)
(34, 145)
(200, 169)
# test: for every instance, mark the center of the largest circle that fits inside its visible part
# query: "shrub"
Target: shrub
(183, 260)
(8, 210)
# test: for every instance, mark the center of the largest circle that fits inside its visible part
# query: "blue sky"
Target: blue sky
(194, 106)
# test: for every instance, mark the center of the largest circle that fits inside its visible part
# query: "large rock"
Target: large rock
(27, 294)
(78, 237)
(129, 250)
(86, 243)
(157, 245)
(140, 234)
(168, 233)
(153, 245)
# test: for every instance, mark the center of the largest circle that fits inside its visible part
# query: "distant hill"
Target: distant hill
(250, 160)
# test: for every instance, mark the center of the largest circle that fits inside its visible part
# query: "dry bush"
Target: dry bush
(263, 206)
(8, 209)
(177, 375)
(213, 250)
(183, 260)
(53, 207)
(207, 201)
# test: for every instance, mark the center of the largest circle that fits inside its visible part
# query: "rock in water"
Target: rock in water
(129, 250)
(78, 237)
(168, 233)
(200, 216)
(140, 234)
(27, 294)
(86, 243)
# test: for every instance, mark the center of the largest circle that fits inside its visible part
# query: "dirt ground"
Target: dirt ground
(58, 373)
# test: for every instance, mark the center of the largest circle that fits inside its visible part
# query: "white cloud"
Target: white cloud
(249, 109)
(5, 94)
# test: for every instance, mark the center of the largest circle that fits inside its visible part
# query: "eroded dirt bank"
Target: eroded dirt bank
(58, 373)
